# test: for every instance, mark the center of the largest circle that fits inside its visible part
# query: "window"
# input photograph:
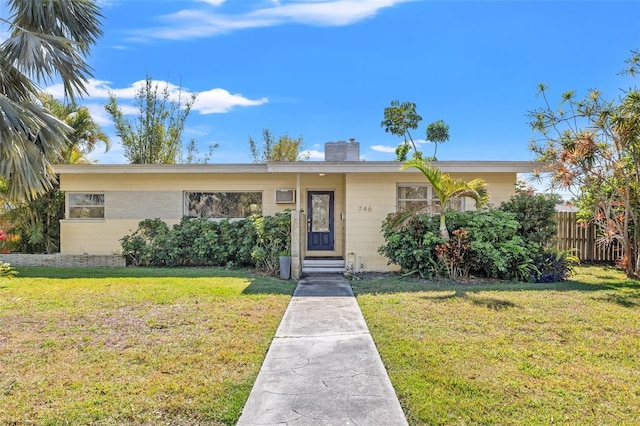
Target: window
(420, 196)
(85, 206)
(223, 204)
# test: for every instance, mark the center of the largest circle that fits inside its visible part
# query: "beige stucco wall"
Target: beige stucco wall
(362, 201)
(99, 237)
(130, 198)
(161, 195)
(371, 197)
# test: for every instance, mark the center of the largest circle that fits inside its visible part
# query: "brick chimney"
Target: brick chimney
(342, 151)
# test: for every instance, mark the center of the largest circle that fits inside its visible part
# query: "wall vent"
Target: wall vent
(285, 196)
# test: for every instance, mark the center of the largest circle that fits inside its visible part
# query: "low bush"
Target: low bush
(512, 242)
(536, 214)
(412, 247)
(273, 240)
(556, 266)
(7, 271)
(257, 241)
(456, 254)
(140, 247)
(498, 249)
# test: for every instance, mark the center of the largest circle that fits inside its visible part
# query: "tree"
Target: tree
(193, 153)
(285, 149)
(438, 131)
(156, 135)
(446, 189)
(37, 221)
(592, 148)
(85, 132)
(399, 118)
(48, 39)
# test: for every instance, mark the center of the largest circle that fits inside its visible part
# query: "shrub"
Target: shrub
(556, 266)
(513, 242)
(536, 214)
(456, 254)
(496, 248)
(412, 247)
(255, 241)
(273, 240)
(7, 271)
(35, 225)
(140, 247)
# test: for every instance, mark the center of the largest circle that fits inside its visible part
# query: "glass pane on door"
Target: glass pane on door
(320, 212)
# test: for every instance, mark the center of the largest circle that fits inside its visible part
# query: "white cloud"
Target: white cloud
(207, 102)
(213, 2)
(312, 154)
(384, 148)
(329, 13)
(197, 23)
(220, 100)
(95, 89)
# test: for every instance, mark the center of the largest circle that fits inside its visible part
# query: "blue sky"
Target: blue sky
(325, 70)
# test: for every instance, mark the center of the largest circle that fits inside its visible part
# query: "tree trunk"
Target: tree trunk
(444, 232)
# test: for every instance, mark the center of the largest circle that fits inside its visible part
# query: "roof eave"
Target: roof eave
(301, 167)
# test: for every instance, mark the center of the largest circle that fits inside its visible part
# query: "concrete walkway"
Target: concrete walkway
(322, 367)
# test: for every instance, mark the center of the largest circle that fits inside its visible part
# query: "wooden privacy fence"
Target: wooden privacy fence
(584, 241)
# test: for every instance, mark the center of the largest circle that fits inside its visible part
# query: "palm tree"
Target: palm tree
(446, 189)
(49, 39)
(37, 221)
(85, 132)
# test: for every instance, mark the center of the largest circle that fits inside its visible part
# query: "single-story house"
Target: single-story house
(338, 205)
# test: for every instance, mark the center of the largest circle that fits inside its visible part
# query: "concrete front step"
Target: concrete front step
(308, 270)
(320, 266)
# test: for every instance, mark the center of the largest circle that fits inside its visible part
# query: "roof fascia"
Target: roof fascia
(301, 167)
(394, 167)
(158, 168)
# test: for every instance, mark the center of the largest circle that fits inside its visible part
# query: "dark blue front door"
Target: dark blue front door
(320, 220)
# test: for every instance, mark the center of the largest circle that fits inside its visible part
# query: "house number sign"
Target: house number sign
(365, 209)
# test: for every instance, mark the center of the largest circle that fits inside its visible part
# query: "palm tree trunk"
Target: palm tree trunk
(444, 232)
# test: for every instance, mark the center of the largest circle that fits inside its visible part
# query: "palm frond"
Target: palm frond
(403, 219)
(48, 38)
(475, 189)
(51, 38)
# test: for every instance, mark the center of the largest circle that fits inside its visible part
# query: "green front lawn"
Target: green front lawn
(183, 346)
(133, 346)
(505, 353)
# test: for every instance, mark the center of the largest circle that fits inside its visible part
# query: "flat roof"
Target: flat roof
(301, 167)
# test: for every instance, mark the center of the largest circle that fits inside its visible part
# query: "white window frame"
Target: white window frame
(431, 200)
(70, 206)
(257, 210)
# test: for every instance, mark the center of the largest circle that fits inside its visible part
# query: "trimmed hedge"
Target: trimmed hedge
(257, 242)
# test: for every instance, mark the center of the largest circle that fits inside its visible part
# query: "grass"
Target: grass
(510, 353)
(183, 346)
(133, 345)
